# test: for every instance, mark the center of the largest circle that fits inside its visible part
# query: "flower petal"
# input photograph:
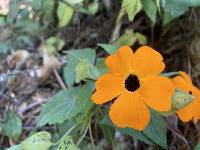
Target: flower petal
(180, 82)
(185, 77)
(121, 62)
(191, 111)
(196, 116)
(107, 88)
(196, 104)
(129, 110)
(196, 92)
(157, 92)
(147, 62)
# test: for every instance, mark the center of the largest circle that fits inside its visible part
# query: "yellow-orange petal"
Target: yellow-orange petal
(196, 110)
(107, 88)
(130, 111)
(196, 92)
(147, 62)
(185, 77)
(196, 116)
(120, 63)
(181, 83)
(189, 112)
(195, 107)
(157, 92)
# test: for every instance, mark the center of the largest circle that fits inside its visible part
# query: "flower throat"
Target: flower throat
(132, 83)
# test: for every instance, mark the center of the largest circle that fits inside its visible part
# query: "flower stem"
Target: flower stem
(66, 134)
(91, 137)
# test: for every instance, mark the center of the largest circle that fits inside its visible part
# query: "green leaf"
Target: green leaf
(156, 130)
(36, 4)
(130, 37)
(59, 108)
(136, 135)
(131, 7)
(142, 39)
(65, 127)
(54, 43)
(75, 56)
(73, 2)
(150, 8)
(2, 20)
(4, 47)
(13, 126)
(83, 100)
(16, 147)
(197, 147)
(158, 3)
(67, 144)
(108, 133)
(48, 6)
(39, 140)
(66, 104)
(89, 146)
(110, 49)
(12, 11)
(100, 65)
(57, 42)
(175, 8)
(167, 18)
(64, 13)
(31, 26)
(85, 70)
(93, 7)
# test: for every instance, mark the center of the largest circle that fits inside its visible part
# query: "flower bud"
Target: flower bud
(181, 98)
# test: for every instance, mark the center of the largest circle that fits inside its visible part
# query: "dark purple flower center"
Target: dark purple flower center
(132, 83)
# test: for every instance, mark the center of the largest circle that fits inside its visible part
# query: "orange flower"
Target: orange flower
(133, 79)
(192, 110)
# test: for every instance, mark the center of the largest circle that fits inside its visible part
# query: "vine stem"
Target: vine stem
(91, 137)
(67, 133)
(60, 81)
(117, 27)
(86, 129)
(80, 140)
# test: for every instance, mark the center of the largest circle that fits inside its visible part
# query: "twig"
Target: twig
(181, 137)
(117, 27)
(11, 142)
(60, 81)
(32, 106)
(31, 114)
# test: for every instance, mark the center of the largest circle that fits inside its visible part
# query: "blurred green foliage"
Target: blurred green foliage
(29, 21)
(12, 127)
